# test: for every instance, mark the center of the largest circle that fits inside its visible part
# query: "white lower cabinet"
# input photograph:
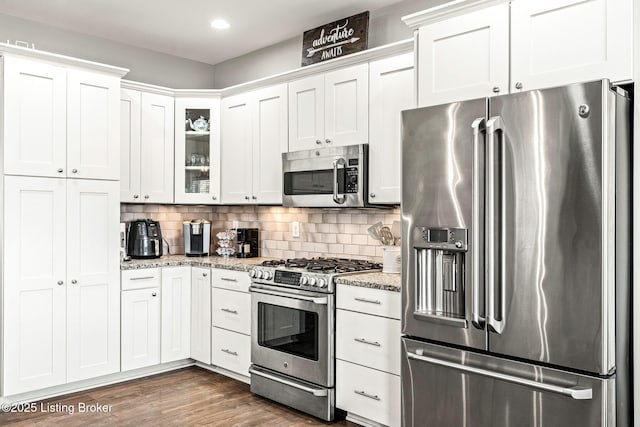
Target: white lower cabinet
(175, 336)
(368, 393)
(231, 321)
(60, 315)
(201, 314)
(231, 351)
(140, 328)
(368, 354)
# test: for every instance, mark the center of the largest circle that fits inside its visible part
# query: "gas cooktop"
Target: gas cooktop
(315, 274)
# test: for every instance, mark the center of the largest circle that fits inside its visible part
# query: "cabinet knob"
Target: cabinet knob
(204, 274)
(60, 283)
(496, 89)
(74, 170)
(372, 195)
(135, 196)
(60, 170)
(214, 198)
(318, 142)
(518, 85)
(254, 197)
(74, 282)
(246, 197)
(154, 294)
(146, 197)
(328, 141)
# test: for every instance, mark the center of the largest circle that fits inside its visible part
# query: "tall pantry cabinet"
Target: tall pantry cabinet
(60, 189)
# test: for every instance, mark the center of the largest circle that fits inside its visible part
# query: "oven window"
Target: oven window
(312, 182)
(288, 330)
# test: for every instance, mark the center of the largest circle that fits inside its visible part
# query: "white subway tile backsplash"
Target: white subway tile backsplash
(341, 233)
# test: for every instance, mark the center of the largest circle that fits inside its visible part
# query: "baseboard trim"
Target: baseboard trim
(362, 421)
(225, 372)
(74, 387)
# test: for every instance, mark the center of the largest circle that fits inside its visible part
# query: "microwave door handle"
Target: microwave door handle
(495, 305)
(336, 198)
(477, 320)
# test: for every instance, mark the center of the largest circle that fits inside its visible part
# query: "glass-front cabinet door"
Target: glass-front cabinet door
(197, 155)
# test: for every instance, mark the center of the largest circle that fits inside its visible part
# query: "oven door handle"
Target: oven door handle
(261, 290)
(315, 392)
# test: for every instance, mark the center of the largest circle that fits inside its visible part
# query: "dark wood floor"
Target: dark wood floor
(188, 397)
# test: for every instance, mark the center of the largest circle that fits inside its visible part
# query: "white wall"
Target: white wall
(385, 27)
(146, 65)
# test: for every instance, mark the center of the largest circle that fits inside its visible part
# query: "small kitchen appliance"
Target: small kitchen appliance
(144, 239)
(197, 237)
(247, 242)
(292, 330)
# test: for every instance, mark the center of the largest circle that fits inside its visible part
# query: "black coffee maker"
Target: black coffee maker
(145, 239)
(247, 242)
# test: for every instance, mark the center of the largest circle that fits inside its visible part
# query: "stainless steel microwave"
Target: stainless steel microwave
(326, 177)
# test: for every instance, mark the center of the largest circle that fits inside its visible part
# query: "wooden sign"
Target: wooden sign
(339, 38)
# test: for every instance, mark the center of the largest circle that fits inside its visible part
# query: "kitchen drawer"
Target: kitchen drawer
(231, 350)
(232, 310)
(368, 393)
(368, 340)
(369, 301)
(230, 279)
(140, 279)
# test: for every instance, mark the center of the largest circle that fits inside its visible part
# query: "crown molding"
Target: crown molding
(445, 11)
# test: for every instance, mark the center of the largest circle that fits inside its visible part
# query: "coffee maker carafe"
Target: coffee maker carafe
(197, 237)
(247, 242)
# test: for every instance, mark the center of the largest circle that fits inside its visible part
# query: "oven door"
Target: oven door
(292, 333)
(326, 177)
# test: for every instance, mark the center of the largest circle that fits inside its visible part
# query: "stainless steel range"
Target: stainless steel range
(293, 330)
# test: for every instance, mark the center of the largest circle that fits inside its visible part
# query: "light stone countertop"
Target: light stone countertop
(375, 280)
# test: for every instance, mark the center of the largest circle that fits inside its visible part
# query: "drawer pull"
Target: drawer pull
(228, 310)
(370, 301)
(142, 278)
(233, 353)
(226, 279)
(365, 394)
(363, 341)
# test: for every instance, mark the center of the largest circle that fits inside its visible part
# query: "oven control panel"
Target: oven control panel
(292, 279)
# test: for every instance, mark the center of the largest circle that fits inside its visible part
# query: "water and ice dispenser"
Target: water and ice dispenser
(440, 273)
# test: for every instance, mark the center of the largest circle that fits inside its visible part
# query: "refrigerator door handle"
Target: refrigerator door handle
(576, 392)
(477, 320)
(494, 126)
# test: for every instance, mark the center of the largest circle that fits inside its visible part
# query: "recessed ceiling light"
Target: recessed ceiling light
(220, 24)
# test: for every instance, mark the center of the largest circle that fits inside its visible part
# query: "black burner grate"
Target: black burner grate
(326, 265)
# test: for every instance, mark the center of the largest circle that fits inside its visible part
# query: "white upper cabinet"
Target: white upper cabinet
(35, 125)
(146, 147)
(130, 101)
(306, 113)
(464, 57)
(269, 142)
(329, 109)
(236, 150)
(346, 108)
(93, 125)
(556, 42)
(254, 136)
(467, 48)
(391, 90)
(60, 122)
(156, 148)
(197, 150)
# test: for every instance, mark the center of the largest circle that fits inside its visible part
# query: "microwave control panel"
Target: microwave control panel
(351, 180)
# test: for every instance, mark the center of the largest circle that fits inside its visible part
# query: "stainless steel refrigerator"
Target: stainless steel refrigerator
(516, 248)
